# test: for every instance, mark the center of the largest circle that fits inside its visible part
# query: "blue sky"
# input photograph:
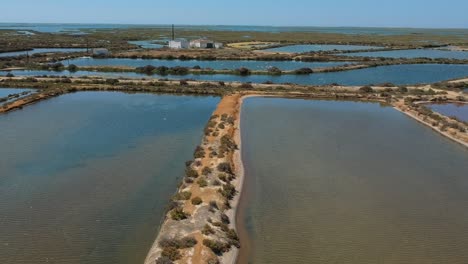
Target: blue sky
(376, 13)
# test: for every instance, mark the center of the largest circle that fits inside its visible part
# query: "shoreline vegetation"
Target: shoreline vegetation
(200, 225)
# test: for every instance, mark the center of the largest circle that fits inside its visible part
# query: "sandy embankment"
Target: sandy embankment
(231, 257)
(461, 141)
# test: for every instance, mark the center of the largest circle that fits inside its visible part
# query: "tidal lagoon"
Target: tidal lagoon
(349, 182)
(86, 177)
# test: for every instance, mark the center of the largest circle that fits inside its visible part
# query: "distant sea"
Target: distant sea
(82, 28)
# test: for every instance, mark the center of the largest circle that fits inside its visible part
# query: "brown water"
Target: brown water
(85, 177)
(344, 182)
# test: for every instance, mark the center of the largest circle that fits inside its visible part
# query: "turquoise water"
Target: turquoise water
(37, 51)
(316, 48)
(397, 74)
(146, 44)
(459, 111)
(345, 182)
(216, 65)
(85, 177)
(414, 53)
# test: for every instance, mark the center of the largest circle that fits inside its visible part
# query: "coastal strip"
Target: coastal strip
(457, 132)
(199, 226)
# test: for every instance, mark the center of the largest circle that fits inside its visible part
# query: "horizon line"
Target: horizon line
(243, 25)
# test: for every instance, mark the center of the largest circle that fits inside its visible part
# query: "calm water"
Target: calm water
(315, 48)
(414, 53)
(217, 65)
(37, 51)
(146, 44)
(397, 74)
(4, 92)
(84, 177)
(73, 28)
(344, 182)
(459, 111)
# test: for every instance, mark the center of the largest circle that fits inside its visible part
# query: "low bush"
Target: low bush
(366, 89)
(202, 182)
(182, 196)
(228, 191)
(274, 71)
(206, 171)
(197, 201)
(225, 219)
(243, 71)
(303, 71)
(199, 153)
(225, 167)
(171, 253)
(217, 247)
(178, 214)
(191, 173)
(112, 81)
(207, 230)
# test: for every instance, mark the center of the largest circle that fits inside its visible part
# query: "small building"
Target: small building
(202, 44)
(100, 52)
(179, 44)
(218, 45)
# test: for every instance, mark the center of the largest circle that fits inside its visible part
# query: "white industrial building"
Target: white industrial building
(205, 44)
(179, 44)
(100, 52)
(197, 43)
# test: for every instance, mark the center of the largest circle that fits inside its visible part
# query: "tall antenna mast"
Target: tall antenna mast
(173, 33)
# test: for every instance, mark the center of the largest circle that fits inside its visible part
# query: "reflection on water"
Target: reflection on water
(396, 74)
(85, 177)
(216, 65)
(344, 182)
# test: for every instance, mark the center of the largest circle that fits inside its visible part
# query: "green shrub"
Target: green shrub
(213, 205)
(206, 171)
(199, 153)
(187, 242)
(366, 89)
(112, 81)
(202, 182)
(207, 230)
(274, 71)
(222, 177)
(191, 173)
(225, 167)
(171, 253)
(178, 214)
(243, 71)
(183, 196)
(304, 71)
(228, 191)
(225, 219)
(197, 201)
(402, 89)
(72, 68)
(217, 247)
